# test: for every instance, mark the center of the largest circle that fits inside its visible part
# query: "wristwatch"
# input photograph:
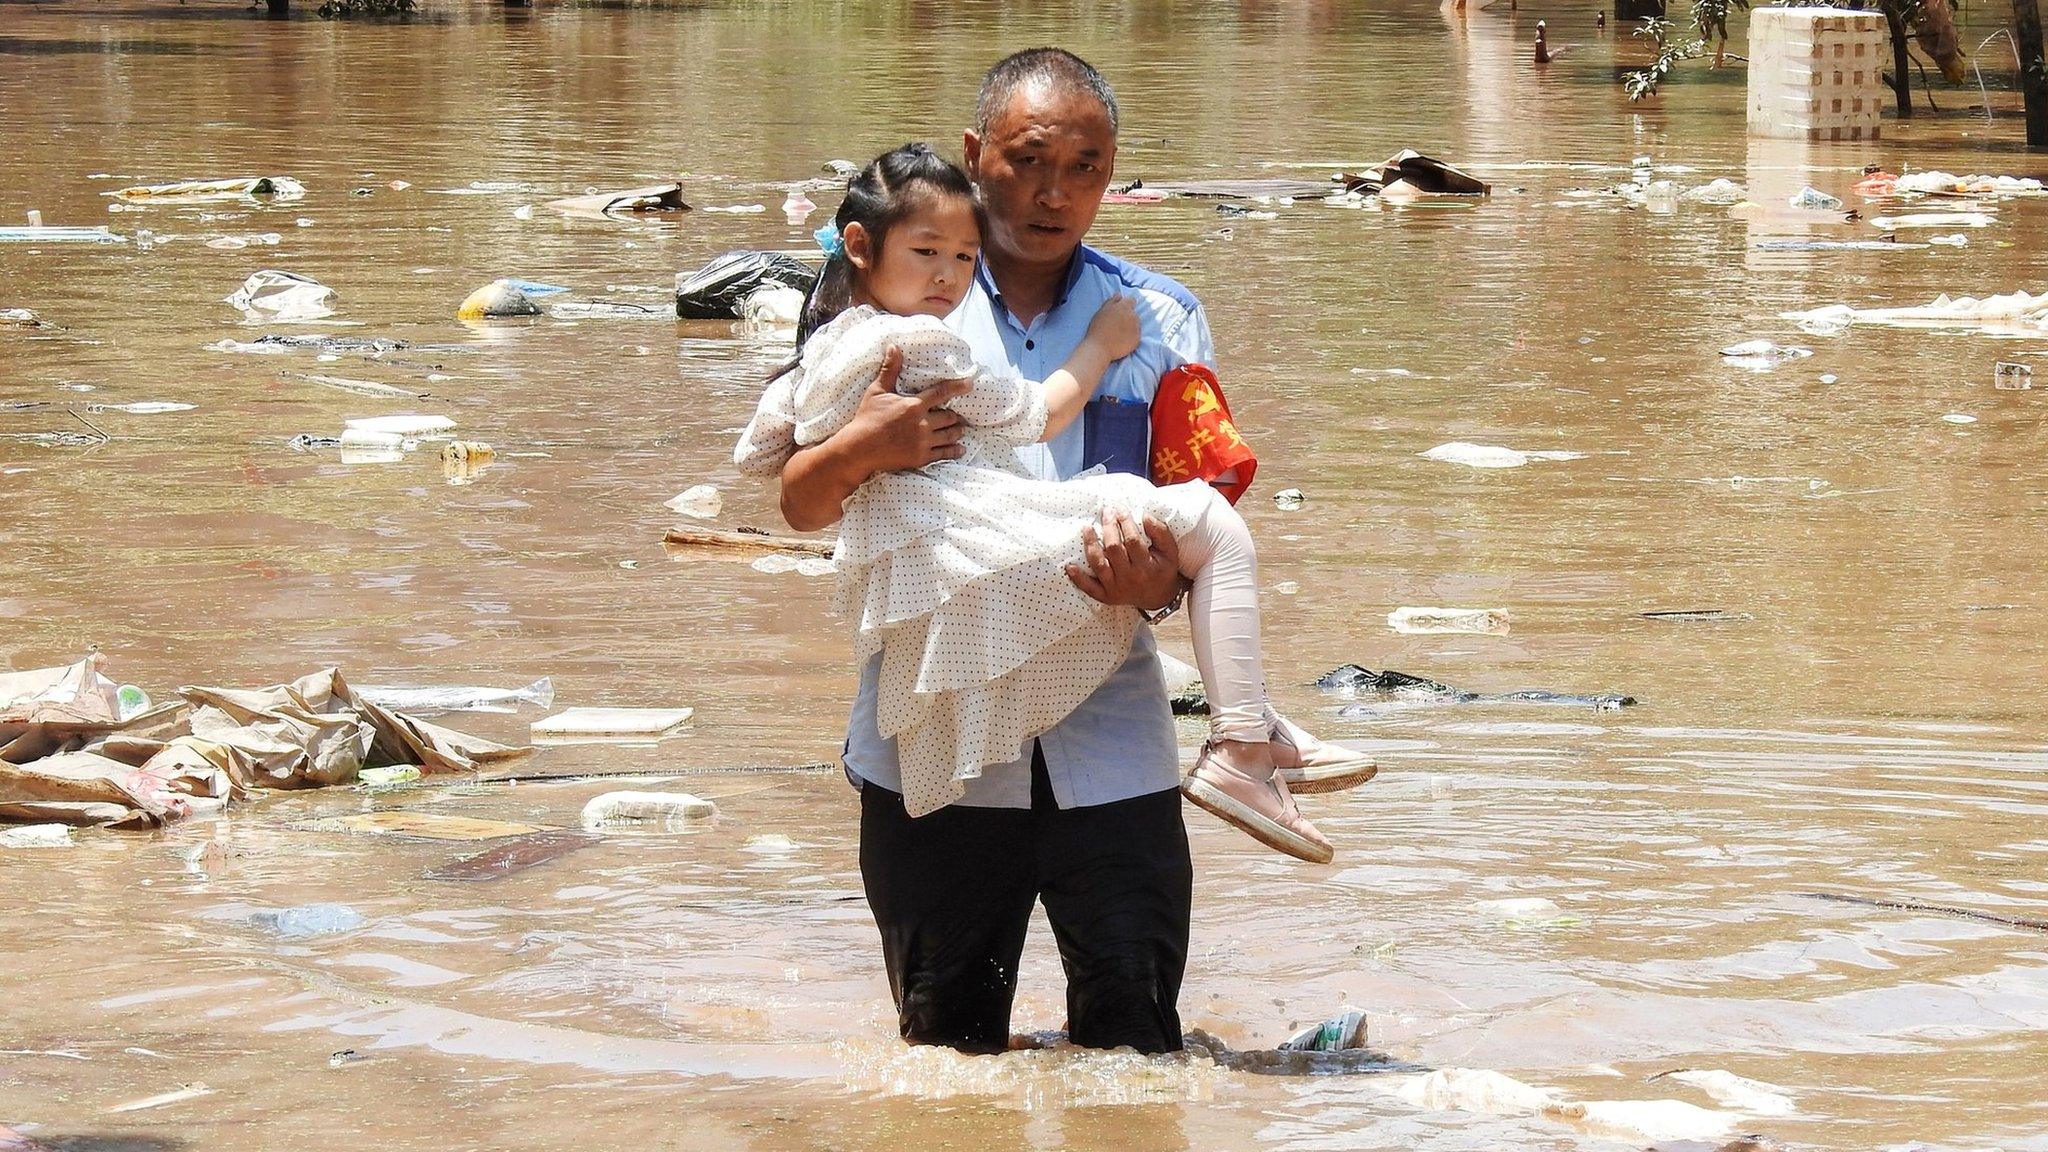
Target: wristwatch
(1180, 595)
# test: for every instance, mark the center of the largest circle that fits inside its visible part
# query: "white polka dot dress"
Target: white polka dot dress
(956, 572)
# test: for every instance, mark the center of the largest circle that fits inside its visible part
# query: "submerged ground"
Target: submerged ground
(1869, 723)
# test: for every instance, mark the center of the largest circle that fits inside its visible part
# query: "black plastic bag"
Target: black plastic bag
(715, 291)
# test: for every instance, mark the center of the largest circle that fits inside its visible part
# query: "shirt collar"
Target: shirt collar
(1075, 267)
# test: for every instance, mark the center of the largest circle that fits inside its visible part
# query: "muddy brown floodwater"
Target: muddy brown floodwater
(1869, 723)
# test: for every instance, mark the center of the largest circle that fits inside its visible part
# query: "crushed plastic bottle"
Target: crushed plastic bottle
(2011, 377)
(1810, 197)
(1289, 499)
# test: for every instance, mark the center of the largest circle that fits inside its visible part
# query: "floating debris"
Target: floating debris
(282, 188)
(1423, 621)
(274, 296)
(1715, 615)
(1491, 455)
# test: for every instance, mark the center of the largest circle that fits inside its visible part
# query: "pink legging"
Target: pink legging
(1223, 612)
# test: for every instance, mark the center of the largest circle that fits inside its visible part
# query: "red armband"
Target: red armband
(1193, 435)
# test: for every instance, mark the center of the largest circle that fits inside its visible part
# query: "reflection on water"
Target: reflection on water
(1861, 724)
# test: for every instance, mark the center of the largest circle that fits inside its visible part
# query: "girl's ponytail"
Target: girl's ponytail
(833, 292)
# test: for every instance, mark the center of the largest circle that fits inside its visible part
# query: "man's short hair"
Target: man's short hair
(1057, 68)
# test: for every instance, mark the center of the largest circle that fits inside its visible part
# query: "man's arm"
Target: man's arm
(1139, 565)
(889, 433)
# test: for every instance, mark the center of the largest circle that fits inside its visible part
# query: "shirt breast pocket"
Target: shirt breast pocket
(1117, 434)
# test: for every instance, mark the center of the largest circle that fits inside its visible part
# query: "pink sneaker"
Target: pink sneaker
(1259, 806)
(1309, 766)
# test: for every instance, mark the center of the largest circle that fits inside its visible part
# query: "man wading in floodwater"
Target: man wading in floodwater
(1088, 819)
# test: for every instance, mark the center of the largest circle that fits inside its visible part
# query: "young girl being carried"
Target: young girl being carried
(956, 572)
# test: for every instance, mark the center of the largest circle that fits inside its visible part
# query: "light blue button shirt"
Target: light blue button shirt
(1119, 743)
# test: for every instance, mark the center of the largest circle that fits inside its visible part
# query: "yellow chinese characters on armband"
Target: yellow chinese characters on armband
(1193, 434)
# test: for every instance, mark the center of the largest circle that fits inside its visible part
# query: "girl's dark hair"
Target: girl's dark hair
(891, 187)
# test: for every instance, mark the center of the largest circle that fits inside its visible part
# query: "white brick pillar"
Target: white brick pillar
(1817, 73)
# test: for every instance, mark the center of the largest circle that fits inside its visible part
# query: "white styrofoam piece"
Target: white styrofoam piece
(611, 723)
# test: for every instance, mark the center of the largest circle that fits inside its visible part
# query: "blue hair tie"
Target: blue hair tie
(829, 240)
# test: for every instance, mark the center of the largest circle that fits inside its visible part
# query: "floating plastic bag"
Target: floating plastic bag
(1763, 353)
(773, 306)
(1942, 183)
(1816, 199)
(667, 808)
(1716, 192)
(435, 701)
(272, 296)
(702, 502)
(719, 290)
(2011, 310)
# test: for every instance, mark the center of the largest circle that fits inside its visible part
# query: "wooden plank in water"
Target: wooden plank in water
(745, 539)
(512, 856)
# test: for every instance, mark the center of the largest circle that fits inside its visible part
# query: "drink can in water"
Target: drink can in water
(1339, 1033)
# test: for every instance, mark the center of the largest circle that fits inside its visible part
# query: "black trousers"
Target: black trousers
(952, 894)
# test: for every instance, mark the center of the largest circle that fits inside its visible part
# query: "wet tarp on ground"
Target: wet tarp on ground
(719, 290)
(75, 761)
(654, 198)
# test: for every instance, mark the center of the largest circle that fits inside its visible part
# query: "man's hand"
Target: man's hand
(889, 432)
(1126, 565)
(896, 433)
